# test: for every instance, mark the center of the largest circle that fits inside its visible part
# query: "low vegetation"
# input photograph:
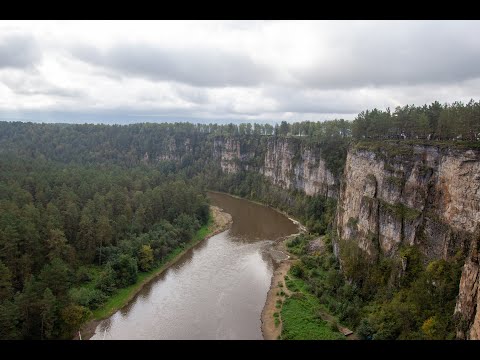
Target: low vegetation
(379, 299)
(301, 318)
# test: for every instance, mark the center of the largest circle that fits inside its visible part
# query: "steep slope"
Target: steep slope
(391, 196)
(287, 162)
(416, 195)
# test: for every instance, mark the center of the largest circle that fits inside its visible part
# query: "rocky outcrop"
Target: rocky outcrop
(291, 165)
(429, 198)
(287, 163)
(467, 309)
(173, 150)
(227, 152)
(423, 196)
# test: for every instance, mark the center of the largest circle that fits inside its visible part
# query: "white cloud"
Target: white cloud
(250, 70)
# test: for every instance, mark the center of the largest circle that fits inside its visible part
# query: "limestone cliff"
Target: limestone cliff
(417, 195)
(389, 196)
(291, 165)
(227, 152)
(286, 162)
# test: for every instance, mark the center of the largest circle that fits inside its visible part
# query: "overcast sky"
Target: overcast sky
(115, 71)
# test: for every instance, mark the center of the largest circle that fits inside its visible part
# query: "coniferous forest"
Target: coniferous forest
(85, 209)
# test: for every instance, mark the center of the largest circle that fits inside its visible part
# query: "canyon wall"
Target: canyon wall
(286, 162)
(416, 195)
(389, 196)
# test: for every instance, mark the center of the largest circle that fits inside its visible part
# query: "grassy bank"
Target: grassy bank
(123, 296)
(301, 315)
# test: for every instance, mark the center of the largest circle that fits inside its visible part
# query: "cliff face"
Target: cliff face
(227, 152)
(287, 163)
(468, 303)
(389, 196)
(420, 196)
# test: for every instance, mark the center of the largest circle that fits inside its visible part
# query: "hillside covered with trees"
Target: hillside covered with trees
(71, 235)
(85, 208)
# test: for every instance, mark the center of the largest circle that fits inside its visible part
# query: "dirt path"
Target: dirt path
(349, 334)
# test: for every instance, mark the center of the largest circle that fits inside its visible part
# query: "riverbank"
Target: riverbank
(271, 320)
(293, 312)
(271, 324)
(220, 221)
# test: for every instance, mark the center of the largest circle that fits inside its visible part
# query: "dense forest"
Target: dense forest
(71, 235)
(85, 208)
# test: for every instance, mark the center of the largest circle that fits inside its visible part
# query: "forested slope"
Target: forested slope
(84, 208)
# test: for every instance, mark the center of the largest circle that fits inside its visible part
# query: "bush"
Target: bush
(365, 330)
(74, 315)
(125, 268)
(145, 258)
(106, 281)
(91, 298)
(297, 270)
(82, 275)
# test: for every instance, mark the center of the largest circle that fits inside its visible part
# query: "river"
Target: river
(217, 290)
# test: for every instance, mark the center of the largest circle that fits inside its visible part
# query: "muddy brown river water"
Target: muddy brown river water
(217, 290)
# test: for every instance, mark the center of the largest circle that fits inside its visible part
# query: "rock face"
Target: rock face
(424, 196)
(290, 165)
(469, 299)
(389, 197)
(227, 151)
(173, 151)
(287, 163)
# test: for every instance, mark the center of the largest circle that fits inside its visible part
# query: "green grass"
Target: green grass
(299, 316)
(121, 297)
(278, 304)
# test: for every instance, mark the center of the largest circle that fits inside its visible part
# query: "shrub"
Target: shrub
(91, 298)
(82, 275)
(106, 280)
(297, 270)
(126, 270)
(365, 331)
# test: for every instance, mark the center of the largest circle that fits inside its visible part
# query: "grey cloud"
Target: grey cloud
(304, 101)
(33, 84)
(52, 90)
(192, 95)
(397, 53)
(198, 67)
(19, 51)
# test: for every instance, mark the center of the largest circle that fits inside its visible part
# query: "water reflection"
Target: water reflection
(216, 291)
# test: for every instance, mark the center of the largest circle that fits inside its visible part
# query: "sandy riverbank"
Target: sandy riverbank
(281, 266)
(221, 222)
